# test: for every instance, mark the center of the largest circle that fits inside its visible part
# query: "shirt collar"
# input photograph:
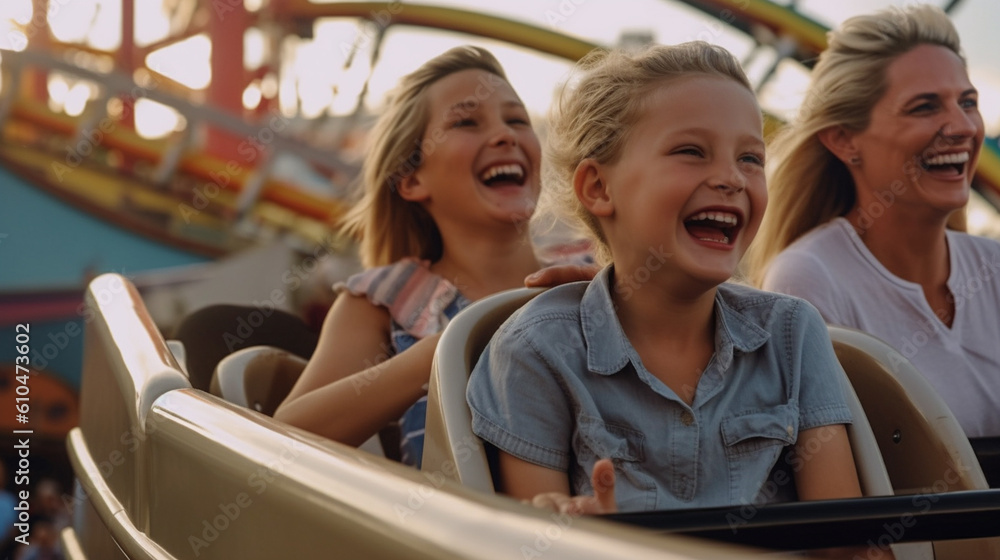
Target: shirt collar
(608, 347)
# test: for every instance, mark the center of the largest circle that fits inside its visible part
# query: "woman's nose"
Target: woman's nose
(962, 123)
(504, 136)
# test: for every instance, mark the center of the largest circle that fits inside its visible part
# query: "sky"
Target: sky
(316, 68)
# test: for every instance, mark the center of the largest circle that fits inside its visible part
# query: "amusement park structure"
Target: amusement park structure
(88, 193)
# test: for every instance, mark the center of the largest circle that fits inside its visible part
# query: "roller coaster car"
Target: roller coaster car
(165, 471)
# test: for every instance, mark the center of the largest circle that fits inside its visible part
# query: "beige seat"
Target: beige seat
(450, 447)
(126, 366)
(922, 445)
(258, 377)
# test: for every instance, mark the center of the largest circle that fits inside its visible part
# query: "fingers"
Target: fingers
(559, 503)
(602, 478)
(562, 274)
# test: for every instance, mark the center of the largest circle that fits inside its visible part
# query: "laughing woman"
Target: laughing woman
(862, 189)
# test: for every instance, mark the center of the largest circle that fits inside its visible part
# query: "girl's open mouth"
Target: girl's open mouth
(717, 226)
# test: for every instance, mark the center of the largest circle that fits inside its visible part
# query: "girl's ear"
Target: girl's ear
(840, 142)
(592, 189)
(412, 188)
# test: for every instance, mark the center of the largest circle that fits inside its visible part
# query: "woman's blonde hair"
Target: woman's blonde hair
(808, 185)
(388, 227)
(593, 115)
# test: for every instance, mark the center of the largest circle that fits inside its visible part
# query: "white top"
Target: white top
(833, 269)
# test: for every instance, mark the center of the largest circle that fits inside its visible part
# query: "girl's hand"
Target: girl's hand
(561, 274)
(603, 501)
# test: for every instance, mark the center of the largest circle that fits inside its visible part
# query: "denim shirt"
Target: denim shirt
(561, 386)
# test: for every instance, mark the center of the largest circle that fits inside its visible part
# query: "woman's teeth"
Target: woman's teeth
(947, 159)
(513, 171)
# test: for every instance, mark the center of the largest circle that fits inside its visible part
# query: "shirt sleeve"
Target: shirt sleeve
(517, 402)
(803, 275)
(822, 380)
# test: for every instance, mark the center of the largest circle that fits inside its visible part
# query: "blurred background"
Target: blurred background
(202, 148)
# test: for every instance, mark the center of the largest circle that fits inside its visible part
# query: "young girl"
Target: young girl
(658, 385)
(450, 182)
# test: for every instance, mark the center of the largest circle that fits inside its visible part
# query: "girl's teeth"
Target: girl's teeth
(722, 217)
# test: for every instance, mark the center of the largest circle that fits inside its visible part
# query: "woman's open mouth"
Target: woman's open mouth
(952, 165)
(504, 175)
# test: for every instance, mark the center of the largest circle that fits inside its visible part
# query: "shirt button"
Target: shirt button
(687, 418)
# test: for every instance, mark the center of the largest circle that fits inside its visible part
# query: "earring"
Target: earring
(855, 160)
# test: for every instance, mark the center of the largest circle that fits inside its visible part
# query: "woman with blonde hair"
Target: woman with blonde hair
(450, 182)
(862, 187)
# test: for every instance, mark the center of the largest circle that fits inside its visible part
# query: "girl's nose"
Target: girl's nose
(730, 181)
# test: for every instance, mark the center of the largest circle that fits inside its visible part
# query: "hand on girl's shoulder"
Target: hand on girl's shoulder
(561, 274)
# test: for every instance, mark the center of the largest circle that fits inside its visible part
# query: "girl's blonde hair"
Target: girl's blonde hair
(388, 227)
(593, 115)
(808, 185)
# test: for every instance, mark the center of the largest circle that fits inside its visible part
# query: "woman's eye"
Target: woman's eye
(969, 103)
(922, 108)
(691, 151)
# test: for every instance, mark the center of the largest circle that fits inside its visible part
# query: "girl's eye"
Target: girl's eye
(753, 158)
(518, 120)
(463, 122)
(690, 150)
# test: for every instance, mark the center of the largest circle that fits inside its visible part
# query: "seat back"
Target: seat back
(259, 377)
(923, 446)
(126, 366)
(921, 442)
(450, 446)
(871, 469)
